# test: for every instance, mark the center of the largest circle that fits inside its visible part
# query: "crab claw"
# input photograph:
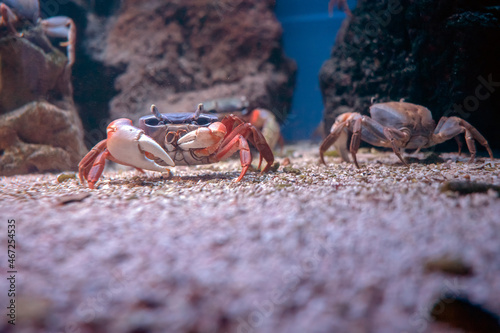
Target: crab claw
(62, 27)
(203, 137)
(127, 144)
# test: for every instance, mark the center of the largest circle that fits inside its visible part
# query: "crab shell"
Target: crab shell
(173, 127)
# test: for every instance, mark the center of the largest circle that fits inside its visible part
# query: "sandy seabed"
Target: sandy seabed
(306, 248)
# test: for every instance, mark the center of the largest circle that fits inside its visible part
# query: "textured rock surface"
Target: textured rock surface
(39, 126)
(31, 69)
(435, 54)
(308, 248)
(176, 54)
(40, 137)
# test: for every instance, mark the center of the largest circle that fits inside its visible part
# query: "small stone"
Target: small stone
(132, 197)
(62, 177)
(75, 197)
(467, 187)
(448, 264)
(331, 153)
(290, 169)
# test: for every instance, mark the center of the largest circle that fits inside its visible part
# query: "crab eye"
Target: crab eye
(202, 121)
(156, 122)
(152, 122)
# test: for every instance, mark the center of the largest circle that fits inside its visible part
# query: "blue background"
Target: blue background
(308, 37)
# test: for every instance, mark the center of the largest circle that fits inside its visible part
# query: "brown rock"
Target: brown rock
(40, 137)
(39, 126)
(31, 69)
(179, 53)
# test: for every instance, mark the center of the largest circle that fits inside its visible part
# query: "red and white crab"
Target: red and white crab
(398, 125)
(15, 13)
(174, 139)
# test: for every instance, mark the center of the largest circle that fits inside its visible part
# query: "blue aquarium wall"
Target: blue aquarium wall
(308, 36)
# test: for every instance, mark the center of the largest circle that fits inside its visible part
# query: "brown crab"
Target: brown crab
(399, 125)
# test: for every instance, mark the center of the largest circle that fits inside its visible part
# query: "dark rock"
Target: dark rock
(440, 55)
(449, 264)
(460, 312)
(468, 187)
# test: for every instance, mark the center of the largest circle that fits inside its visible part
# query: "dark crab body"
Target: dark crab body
(399, 125)
(168, 128)
(415, 120)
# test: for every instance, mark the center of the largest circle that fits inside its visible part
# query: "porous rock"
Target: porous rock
(31, 69)
(177, 54)
(40, 129)
(40, 137)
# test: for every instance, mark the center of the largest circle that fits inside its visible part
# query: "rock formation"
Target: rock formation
(39, 126)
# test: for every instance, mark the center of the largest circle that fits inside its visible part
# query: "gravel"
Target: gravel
(307, 248)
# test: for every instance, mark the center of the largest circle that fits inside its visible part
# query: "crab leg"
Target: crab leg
(248, 131)
(374, 133)
(96, 171)
(270, 128)
(8, 17)
(393, 135)
(438, 128)
(228, 149)
(459, 143)
(474, 134)
(336, 132)
(91, 166)
(87, 162)
(452, 126)
(355, 140)
(231, 122)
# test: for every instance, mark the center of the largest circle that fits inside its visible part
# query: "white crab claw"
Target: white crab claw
(57, 26)
(201, 138)
(127, 144)
(146, 143)
(62, 27)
